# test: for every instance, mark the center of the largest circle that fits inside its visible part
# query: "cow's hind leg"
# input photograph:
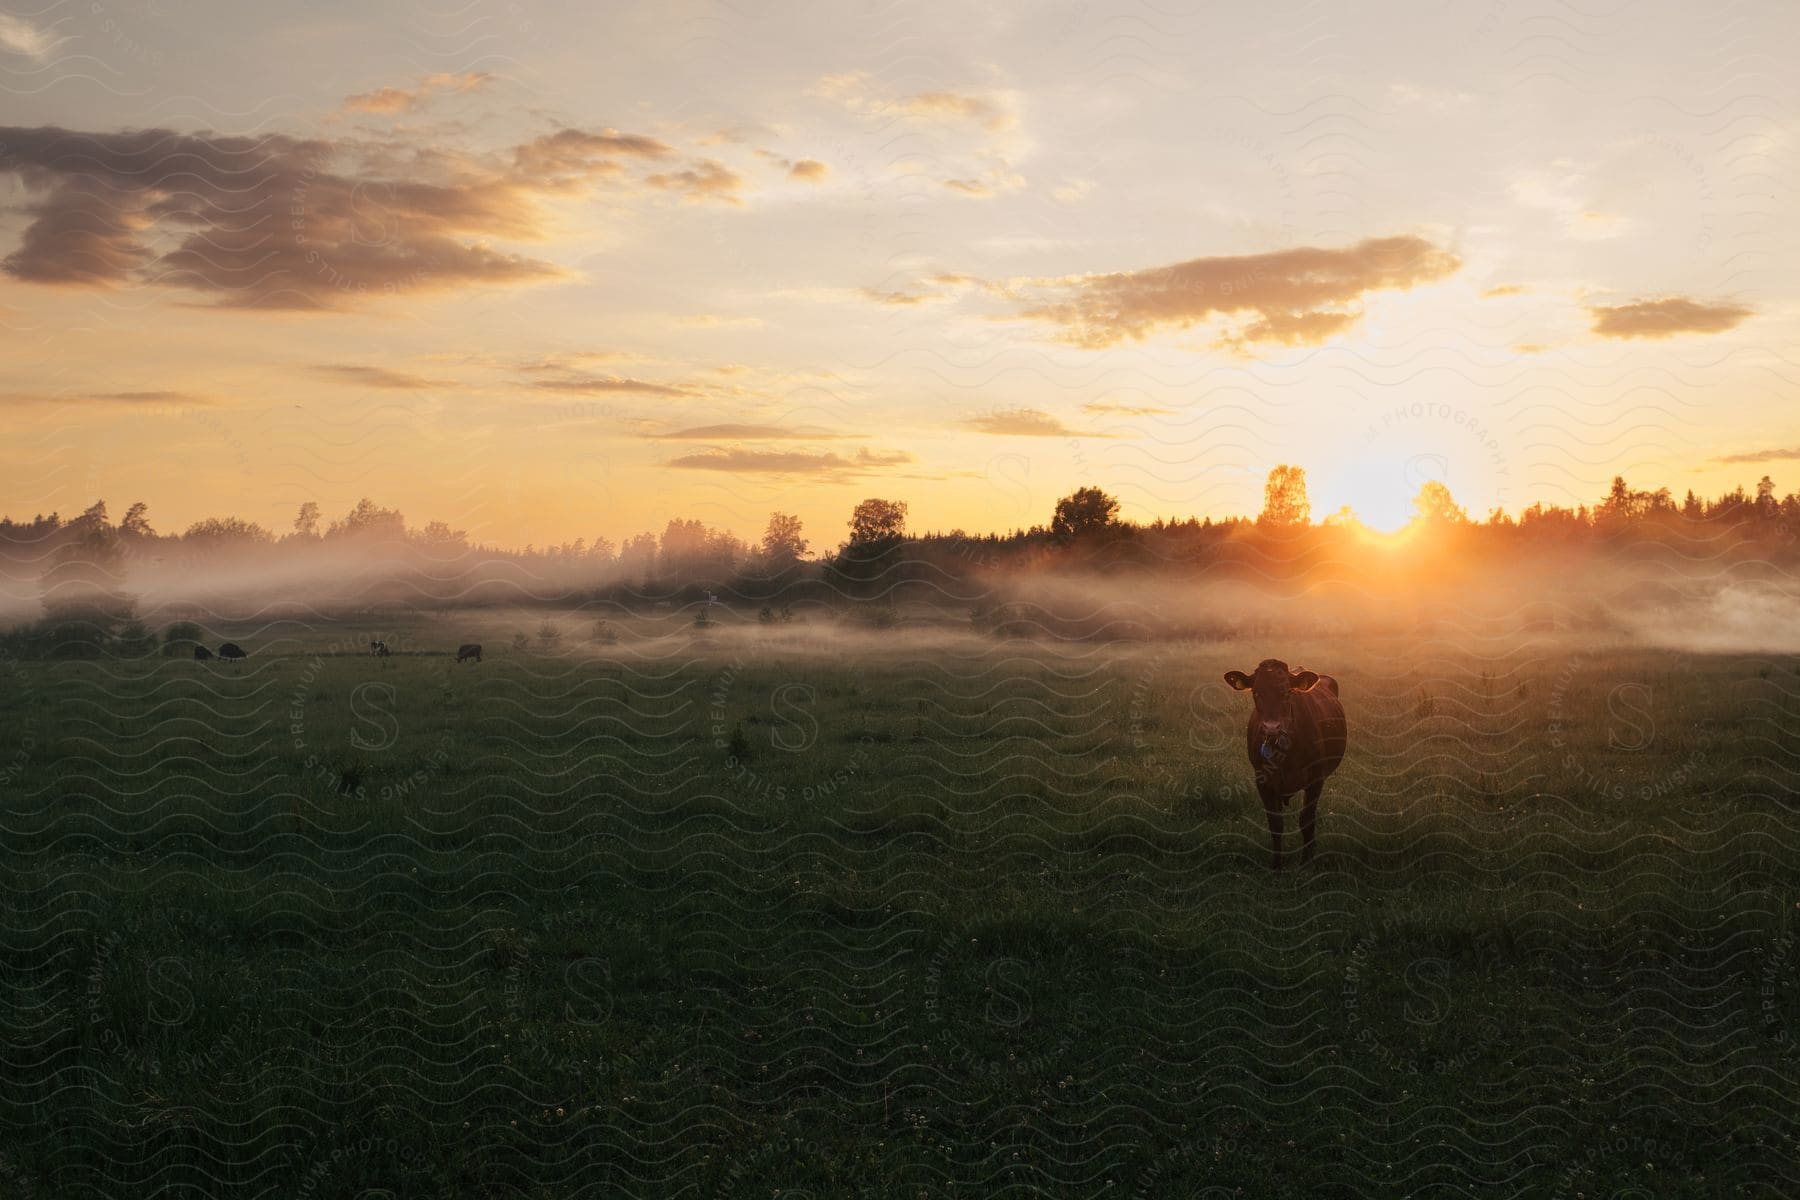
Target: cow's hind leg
(1308, 812)
(1272, 806)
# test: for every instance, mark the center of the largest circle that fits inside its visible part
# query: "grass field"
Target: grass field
(788, 910)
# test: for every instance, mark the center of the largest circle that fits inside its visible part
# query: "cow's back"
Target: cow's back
(1328, 732)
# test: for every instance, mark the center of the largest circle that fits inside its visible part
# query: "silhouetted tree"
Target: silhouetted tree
(1285, 505)
(1434, 505)
(1086, 510)
(369, 519)
(137, 523)
(782, 545)
(637, 557)
(875, 521)
(225, 529)
(83, 588)
(437, 533)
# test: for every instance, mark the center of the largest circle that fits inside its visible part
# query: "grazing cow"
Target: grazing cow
(1295, 741)
(232, 650)
(469, 650)
(201, 654)
(378, 649)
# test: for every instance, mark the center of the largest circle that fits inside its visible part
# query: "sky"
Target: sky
(550, 271)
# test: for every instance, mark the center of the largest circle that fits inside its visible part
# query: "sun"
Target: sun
(1376, 495)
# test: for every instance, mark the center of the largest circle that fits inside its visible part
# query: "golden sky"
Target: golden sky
(547, 274)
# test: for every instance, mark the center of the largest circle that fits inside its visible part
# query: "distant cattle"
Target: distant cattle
(232, 650)
(201, 653)
(469, 650)
(1295, 740)
(378, 649)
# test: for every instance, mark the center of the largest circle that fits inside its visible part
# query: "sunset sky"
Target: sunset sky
(547, 273)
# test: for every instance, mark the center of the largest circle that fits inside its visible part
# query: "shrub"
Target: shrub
(180, 639)
(737, 749)
(135, 641)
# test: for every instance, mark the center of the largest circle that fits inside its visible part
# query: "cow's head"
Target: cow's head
(1272, 687)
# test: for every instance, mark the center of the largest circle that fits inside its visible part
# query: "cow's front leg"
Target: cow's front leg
(1308, 811)
(1272, 805)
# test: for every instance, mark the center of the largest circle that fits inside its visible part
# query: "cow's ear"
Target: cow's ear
(1238, 680)
(1302, 681)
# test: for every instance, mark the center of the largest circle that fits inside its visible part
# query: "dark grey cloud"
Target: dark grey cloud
(282, 222)
(378, 377)
(1665, 317)
(599, 384)
(792, 462)
(1761, 456)
(747, 433)
(1294, 297)
(1024, 422)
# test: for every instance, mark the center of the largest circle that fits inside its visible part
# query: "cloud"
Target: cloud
(898, 298)
(1294, 297)
(1504, 289)
(958, 105)
(718, 321)
(851, 88)
(970, 187)
(111, 398)
(792, 462)
(598, 384)
(807, 170)
(1566, 198)
(748, 433)
(393, 101)
(1665, 317)
(1099, 407)
(153, 397)
(1024, 422)
(379, 377)
(257, 222)
(580, 153)
(1760, 456)
(562, 359)
(707, 179)
(19, 36)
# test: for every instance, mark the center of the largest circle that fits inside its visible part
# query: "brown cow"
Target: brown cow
(469, 650)
(1295, 741)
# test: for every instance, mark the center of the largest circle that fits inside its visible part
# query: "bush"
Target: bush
(135, 641)
(605, 633)
(737, 749)
(76, 638)
(180, 639)
(549, 636)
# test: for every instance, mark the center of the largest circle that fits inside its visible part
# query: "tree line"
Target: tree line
(82, 570)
